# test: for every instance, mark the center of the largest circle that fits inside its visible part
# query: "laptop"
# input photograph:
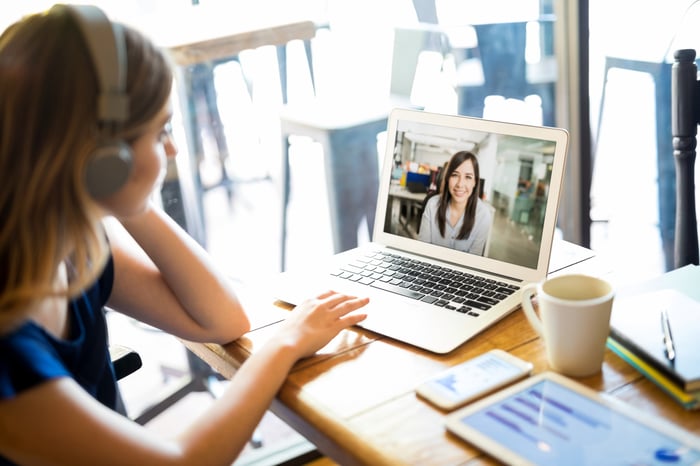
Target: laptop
(438, 296)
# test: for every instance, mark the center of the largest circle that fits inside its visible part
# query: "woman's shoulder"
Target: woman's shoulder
(33, 351)
(484, 204)
(485, 208)
(28, 356)
(432, 200)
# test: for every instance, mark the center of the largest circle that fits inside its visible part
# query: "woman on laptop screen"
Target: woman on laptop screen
(456, 218)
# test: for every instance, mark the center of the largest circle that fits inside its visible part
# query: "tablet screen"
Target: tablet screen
(550, 424)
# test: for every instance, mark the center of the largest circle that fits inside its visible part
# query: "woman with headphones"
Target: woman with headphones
(84, 112)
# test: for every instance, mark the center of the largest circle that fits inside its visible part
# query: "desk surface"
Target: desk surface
(402, 192)
(356, 401)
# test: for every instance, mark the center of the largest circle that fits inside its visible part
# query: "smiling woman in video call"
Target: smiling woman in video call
(75, 153)
(456, 218)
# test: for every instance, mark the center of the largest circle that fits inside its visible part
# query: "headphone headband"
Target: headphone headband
(108, 53)
(109, 167)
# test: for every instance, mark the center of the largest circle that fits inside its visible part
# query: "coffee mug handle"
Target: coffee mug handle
(529, 291)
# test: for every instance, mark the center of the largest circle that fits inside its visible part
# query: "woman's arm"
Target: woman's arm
(164, 278)
(33, 427)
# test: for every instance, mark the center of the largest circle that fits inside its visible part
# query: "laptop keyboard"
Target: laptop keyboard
(441, 286)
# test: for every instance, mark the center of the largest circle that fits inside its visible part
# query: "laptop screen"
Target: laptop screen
(500, 179)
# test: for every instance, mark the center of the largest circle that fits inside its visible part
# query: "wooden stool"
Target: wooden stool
(349, 142)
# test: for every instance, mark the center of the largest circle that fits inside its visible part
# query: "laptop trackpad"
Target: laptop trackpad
(435, 329)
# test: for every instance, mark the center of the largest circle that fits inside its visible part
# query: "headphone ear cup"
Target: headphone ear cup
(108, 169)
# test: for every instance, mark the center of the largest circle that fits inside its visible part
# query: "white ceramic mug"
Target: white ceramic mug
(573, 320)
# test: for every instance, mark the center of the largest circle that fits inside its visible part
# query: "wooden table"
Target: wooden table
(355, 400)
(249, 37)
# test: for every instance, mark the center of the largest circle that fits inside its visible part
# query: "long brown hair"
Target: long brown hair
(48, 130)
(445, 196)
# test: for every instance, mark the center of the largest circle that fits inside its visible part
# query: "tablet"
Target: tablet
(549, 419)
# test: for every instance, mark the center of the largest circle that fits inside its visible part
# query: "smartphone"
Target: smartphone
(473, 379)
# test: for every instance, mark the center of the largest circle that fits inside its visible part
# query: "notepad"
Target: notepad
(689, 400)
(636, 325)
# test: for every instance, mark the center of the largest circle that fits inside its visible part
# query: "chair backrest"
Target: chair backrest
(685, 117)
(126, 361)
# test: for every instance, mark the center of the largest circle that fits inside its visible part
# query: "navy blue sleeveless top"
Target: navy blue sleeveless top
(29, 356)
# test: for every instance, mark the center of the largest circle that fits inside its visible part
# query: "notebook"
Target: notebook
(520, 168)
(636, 325)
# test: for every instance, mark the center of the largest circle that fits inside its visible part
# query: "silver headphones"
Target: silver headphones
(110, 165)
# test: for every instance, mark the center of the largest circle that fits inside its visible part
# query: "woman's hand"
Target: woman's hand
(314, 322)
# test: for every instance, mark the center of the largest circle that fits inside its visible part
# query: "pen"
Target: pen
(668, 337)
